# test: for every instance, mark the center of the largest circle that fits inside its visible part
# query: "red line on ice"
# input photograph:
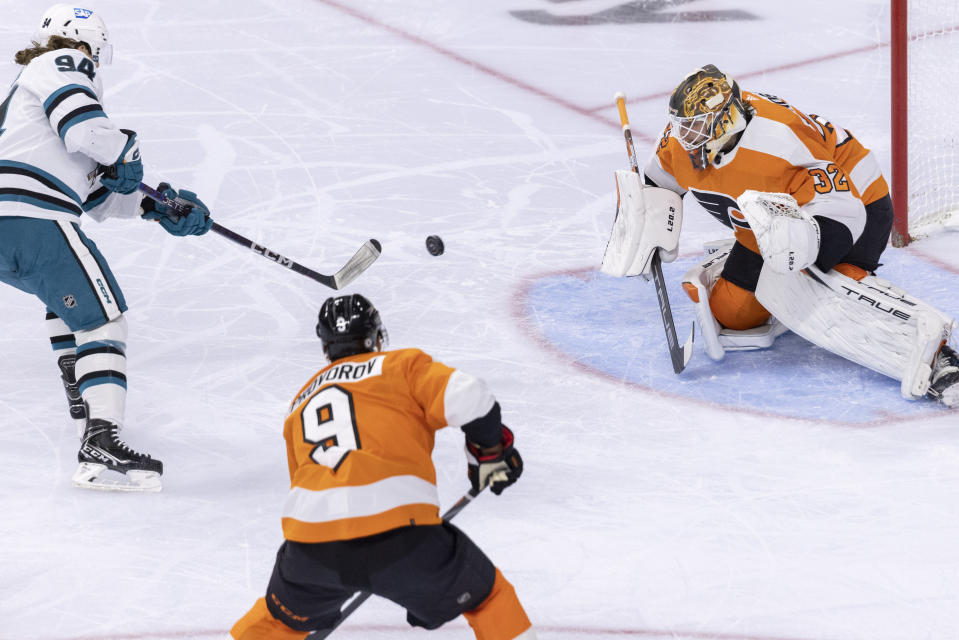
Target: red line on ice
(473, 64)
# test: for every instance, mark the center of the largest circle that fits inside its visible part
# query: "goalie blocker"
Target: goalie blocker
(647, 219)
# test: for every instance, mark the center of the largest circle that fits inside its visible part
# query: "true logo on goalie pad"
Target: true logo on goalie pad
(876, 304)
(861, 297)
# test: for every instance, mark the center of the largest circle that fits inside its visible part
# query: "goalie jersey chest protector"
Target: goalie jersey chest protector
(782, 150)
(50, 114)
(359, 440)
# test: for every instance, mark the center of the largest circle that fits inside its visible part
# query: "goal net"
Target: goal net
(925, 117)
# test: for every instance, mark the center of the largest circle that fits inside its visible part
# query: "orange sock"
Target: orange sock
(851, 271)
(500, 616)
(259, 624)
(734, 307)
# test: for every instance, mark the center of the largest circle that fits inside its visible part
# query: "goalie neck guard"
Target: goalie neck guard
(348, 325)
(77, 23)
(706, 112)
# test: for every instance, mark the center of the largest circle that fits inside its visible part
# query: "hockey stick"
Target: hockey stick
(361, 260)
(679, 355)
(363, 596)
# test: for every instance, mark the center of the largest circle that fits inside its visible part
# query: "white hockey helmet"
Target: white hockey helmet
(80, 24)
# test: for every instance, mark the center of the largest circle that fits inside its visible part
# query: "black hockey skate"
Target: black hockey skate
(102, 450)
(945, 377)
(78, 410)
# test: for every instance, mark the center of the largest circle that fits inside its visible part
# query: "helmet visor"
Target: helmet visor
(692, 132)
(105, 54)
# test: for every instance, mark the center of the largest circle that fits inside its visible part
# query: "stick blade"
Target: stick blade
(360, 262)
(687, 349)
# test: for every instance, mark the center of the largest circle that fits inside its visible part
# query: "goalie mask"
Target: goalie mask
(348, 325)
(77, 23)
(706, 111)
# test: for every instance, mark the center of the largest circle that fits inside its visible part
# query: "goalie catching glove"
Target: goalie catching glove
(195, 222)
(787, 236)
(495, 467)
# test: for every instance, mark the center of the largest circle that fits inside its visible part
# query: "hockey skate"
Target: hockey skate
(102, 450)
(78, 410)
(945, 377)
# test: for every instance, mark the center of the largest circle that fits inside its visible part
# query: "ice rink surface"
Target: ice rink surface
(779, 495)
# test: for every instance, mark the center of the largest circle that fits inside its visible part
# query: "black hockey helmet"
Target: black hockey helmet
(348, 325)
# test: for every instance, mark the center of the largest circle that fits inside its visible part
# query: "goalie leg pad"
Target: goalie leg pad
(870, 322)
(699, 283)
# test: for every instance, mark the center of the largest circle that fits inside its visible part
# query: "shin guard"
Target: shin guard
(500, 616)
(101, 370)
(259, 624)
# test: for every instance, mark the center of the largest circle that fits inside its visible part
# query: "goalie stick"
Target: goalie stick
(361, 260)
(679, 355)
(363, 596)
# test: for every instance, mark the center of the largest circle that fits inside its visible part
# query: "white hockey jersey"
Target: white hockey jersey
(53, 133)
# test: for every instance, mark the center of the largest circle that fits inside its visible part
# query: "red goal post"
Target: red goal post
(924, 47)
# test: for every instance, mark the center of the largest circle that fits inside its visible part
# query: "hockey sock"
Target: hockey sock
(64, 346)
(101, 370)
(851, 271)
(500, 616)
(259, 624)
(736, 308)
(62, 339)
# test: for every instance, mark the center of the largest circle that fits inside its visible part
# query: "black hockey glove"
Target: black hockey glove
(195, 222)
(494, 467)
(124, 175)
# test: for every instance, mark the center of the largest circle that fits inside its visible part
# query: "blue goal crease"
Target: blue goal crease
(612, 325)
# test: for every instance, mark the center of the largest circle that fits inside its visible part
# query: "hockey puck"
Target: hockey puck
(434, 244)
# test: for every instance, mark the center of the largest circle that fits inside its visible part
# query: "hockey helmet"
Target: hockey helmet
(348, 325)
(705, 111)
(77, 23)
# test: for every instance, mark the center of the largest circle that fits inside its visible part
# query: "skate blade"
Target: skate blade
(950, 397)
(87, 476)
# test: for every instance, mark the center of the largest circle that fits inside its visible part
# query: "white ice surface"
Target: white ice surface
(313, 125)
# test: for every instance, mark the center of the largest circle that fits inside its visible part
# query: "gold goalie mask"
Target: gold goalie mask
(706, 111)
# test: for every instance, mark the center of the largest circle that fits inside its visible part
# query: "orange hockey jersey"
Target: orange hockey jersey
(782, 150)
(359, 439)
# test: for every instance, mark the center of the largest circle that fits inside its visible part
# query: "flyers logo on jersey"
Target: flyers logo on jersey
(721, 207)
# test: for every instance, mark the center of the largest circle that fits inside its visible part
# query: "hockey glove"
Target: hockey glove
(125, 174)
(494, 467)
(195, 222)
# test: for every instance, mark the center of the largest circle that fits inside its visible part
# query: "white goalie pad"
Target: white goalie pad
(787, 236)
(697, 283)
(870, 322)
(647, 218)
